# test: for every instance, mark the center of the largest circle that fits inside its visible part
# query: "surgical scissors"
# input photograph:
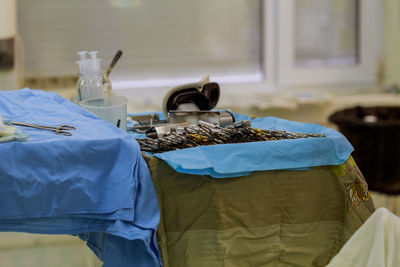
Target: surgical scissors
(61, 130)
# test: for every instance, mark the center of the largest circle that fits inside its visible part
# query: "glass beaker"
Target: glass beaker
(92, 85)
(110, 108)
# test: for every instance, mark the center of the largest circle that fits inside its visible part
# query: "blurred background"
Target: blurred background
(264, 46)
(296, 59)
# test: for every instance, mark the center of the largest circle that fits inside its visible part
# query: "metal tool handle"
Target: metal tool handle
(66, 127)
(113, 62)
(62, 132)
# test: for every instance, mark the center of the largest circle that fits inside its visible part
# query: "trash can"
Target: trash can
(374, 133)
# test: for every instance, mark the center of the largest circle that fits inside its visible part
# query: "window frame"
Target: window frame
(361, 74)
(278, 68)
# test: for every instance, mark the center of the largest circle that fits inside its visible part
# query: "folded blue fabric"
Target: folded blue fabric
(117, 243)
(89, 172)
(94, 184)
(233, 160)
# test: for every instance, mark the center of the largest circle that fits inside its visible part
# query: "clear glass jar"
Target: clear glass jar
(92, 85)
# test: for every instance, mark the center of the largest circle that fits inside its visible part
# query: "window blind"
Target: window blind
(160, 39)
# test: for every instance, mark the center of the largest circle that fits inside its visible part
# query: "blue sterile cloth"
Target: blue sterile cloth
(232, 160)
(94, 184)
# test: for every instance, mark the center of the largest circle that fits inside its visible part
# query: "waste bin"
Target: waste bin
(374, 133)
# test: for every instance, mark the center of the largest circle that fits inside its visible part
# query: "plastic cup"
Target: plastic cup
(110, 108)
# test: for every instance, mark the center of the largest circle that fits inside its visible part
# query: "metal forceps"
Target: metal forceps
(61, 130)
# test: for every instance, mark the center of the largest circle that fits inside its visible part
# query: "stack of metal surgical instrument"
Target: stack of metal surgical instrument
(204, 133)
